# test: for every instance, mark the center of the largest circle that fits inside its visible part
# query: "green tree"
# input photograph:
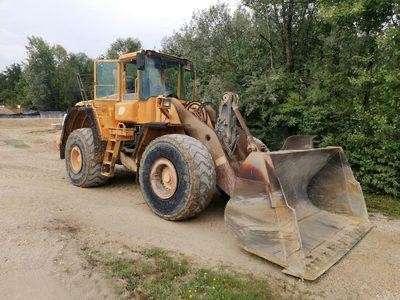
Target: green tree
(121, 46)
(40, 75)
(222, 47)
(9, 85)
(68, 66)
(50, 76)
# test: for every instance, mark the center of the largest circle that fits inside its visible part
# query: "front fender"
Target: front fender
(78, 117)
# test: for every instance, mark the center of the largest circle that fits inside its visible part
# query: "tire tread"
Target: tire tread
(201, 170)
(94, 154)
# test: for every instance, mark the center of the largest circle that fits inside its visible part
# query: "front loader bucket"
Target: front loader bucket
(301, 209)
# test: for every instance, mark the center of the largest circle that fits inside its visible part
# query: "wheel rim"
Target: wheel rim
(76, 159)
(163, 178)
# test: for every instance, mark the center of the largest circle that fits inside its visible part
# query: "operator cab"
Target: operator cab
(142, 75)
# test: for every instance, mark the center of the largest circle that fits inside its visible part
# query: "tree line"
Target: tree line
(47, 80)
(325, 68)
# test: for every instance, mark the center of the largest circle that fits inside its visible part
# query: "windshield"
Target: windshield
(160, 77)
(153, 79)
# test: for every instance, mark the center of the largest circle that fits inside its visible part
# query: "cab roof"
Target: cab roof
(151, 53)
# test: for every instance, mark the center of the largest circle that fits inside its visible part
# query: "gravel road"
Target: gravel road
(44, 221)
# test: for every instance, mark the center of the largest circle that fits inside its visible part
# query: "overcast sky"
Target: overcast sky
(90, 25)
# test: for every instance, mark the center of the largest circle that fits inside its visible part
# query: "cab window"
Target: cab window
(106, 80)
(129, 78)
(159, 78)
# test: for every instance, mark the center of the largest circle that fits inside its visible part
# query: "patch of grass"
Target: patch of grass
(166, 263)
(154, 252)
(155, 274)
(210, 284)
(384, 204)
(123, 269)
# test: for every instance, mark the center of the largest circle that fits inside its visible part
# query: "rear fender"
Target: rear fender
(78, 117)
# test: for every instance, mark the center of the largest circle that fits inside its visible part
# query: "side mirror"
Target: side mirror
(140, 61)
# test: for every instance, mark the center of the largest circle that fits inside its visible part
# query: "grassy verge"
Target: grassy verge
(384, 204)
(154, 274)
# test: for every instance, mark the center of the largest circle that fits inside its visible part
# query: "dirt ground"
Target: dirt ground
(44, 221)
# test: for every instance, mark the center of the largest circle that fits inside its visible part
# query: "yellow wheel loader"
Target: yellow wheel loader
(299, 207)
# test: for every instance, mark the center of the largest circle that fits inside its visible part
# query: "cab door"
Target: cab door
(106, 94)
(106, 80)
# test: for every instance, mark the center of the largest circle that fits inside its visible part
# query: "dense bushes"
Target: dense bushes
(327, 68)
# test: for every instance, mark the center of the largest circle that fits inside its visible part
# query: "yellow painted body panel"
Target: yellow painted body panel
(105, 116)
(144, 112)
(127, 111)
(109, 113)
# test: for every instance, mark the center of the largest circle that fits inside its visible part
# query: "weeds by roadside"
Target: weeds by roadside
(384, 204)
(155, 274)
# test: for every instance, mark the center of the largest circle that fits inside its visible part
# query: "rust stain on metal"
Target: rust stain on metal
(251, 172)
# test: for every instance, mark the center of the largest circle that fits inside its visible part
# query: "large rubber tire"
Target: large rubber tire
(195, 171)
(92, 154)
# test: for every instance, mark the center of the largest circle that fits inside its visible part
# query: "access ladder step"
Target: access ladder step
(110, 157)
(117, 135)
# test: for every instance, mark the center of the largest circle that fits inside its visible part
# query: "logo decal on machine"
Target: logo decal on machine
(121, 110)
